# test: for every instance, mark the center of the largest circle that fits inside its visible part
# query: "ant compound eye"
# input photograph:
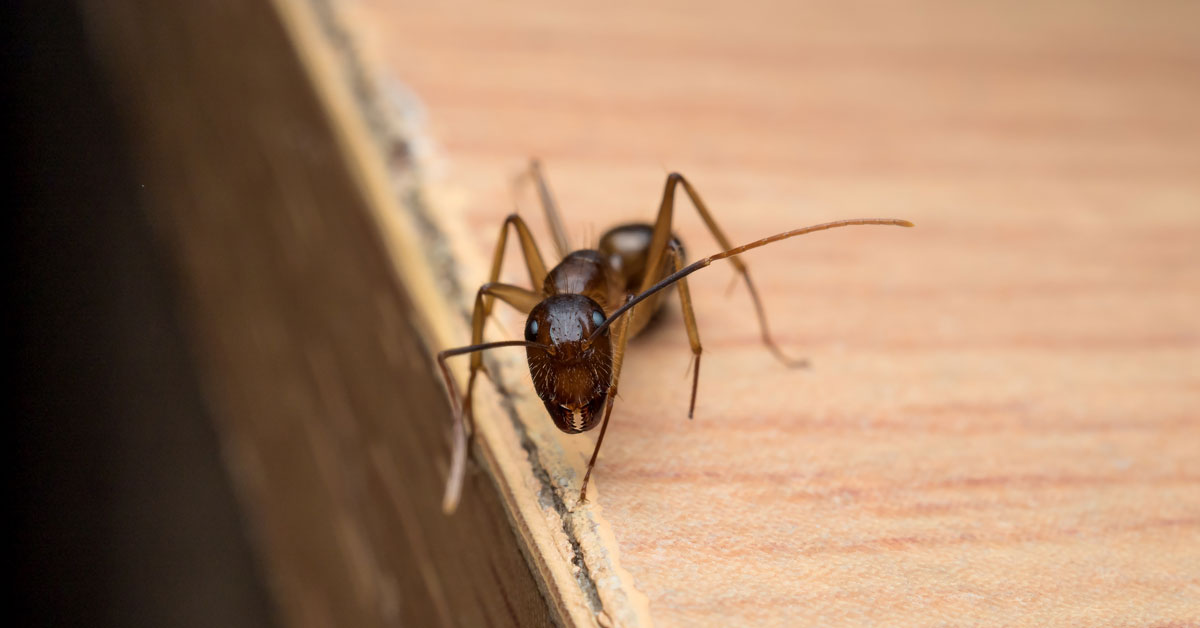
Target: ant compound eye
(597, 318)
(531, 331)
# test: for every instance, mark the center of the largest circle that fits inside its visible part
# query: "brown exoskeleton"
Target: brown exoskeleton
(584, 310)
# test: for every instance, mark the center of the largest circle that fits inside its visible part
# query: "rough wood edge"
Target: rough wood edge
(575, 551)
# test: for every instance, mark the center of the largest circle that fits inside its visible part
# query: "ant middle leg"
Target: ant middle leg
(621, 339)
(529, 250)
(534, 264)
(521, 299)
(659, 248)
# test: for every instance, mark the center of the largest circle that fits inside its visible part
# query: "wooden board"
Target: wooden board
(1001, 422)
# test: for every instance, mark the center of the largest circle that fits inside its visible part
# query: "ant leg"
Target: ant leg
(548, 205)
(521, 299)
(464, 415)
(621, 337)
(458, 458)
(689, 320)
(619, 322)
(533, 264)
(659, 246)
(533, 257)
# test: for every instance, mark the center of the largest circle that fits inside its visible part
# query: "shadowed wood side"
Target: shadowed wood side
(310, 344)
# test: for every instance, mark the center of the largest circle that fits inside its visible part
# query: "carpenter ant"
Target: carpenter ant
(584, 310)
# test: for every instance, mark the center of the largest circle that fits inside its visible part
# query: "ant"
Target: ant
(583, 311)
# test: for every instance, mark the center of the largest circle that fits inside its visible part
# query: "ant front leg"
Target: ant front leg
(520, 298)
(621, 338)
(463, 413)
(659, 248)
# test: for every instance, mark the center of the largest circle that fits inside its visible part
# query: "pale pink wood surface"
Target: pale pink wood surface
(1002, 420)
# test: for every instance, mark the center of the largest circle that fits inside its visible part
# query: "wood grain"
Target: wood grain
(1001, 423)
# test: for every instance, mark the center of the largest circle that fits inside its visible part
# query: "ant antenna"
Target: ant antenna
(704, 263)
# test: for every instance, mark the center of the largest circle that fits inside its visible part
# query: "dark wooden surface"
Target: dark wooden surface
(324, 393)
(122, 512)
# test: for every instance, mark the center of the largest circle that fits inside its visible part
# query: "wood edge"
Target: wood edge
(547, 527)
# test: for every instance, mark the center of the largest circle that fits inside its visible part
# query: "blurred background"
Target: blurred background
(123, 513)
(1048, 151)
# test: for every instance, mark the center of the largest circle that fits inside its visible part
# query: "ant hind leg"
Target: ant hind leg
(689, 322)
(548, 205)
(659, 247)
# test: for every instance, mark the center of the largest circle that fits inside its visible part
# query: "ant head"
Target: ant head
(572, 375)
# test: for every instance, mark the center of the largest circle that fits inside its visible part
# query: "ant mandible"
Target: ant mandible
(584, 310)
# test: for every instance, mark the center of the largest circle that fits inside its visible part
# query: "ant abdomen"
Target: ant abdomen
(626, 249)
